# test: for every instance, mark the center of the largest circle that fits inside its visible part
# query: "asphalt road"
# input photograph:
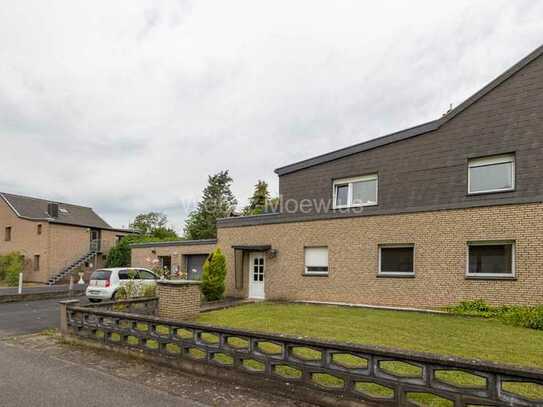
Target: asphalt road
(18, 318)
(28, 378)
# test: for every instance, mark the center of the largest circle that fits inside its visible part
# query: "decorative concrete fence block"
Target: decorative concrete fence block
(178, 299)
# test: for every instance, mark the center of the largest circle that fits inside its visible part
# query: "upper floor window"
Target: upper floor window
(491, 174)
(7, 236)
(39, 229)
(360, 191)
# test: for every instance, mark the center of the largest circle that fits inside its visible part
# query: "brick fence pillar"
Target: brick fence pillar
(178, 299)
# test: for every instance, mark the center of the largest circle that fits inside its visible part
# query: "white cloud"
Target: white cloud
(127, 106)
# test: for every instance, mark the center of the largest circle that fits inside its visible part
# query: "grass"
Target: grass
(466, 337)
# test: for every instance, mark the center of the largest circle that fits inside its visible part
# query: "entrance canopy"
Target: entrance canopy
(254, 248)
(241, 253)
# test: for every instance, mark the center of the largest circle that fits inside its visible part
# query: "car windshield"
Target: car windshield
(101, 275)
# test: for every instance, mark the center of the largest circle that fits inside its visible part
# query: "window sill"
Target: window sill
(506, 278)
(314, 274)
(340, 208)
(501, 191)
(399, 275)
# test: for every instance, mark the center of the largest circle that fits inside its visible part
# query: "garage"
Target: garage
(195, 265)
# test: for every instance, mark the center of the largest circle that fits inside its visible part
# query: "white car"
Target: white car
(105, 283)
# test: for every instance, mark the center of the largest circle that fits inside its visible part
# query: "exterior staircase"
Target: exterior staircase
(68, 269)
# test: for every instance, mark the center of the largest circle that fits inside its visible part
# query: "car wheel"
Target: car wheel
(114, 297)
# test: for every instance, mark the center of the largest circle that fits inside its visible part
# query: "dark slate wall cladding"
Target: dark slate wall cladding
(430, 171)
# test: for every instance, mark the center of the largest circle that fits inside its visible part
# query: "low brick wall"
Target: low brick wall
(178, 299)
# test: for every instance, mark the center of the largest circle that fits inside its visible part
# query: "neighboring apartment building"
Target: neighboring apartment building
(54, 237)
(442, 212)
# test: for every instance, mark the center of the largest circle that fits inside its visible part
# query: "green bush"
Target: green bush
(521, 316)
(213, 276)
(10, 266)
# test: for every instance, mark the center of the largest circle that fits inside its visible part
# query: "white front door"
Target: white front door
(256, 276)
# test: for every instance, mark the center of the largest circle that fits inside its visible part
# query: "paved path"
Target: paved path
(29, 378)
(41, 370)
(17, 318)
(40, 289)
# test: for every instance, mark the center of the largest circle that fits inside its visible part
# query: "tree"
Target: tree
(259, 202)
(153, 224)
(218, 201)
(213, 276)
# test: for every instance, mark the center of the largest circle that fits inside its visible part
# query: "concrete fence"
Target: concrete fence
(316, 371)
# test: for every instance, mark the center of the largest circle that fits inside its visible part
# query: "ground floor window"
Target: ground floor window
(491, 259)
(316, 260)
(165, 262)
(397, 260)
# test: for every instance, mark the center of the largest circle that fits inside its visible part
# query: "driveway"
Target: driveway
(17, 318)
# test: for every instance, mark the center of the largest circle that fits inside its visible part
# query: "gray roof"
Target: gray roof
(36, 209)
(413, 131)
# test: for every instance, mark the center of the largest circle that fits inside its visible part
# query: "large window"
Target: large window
(397, 260)
(491, 174)
(491, 259)
(360, 191)
(316, 260)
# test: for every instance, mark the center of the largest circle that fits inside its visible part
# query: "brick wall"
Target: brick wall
(440, 240)
(26, 240)
(144, 256)
(178, 299)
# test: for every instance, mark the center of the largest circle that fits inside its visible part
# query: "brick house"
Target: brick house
(184, 257)
(445, 211)
(54, 237)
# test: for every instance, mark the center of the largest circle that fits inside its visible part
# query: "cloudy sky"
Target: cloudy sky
(127, 106)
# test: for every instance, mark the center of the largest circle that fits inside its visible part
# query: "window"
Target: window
(361, 191)
(37, 262)
(146, 275)
(165, 262)
(128, 274)
(316, 260)
(491, 174)
(38, 229)
(491, 259)
(397, 260)
(7, 236)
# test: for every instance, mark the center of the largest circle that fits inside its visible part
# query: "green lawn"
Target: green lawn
(467, 337)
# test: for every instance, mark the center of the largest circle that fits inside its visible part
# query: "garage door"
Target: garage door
(195, 263)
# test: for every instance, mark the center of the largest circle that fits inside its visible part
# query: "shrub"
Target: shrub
(11, 265)
(526, 317)
(473, 307)
(213, 276)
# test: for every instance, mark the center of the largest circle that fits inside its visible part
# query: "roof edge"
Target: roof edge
(412, 131)
(174, 243)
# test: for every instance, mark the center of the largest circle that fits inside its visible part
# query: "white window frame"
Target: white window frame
(317, 273)
(395, 273)
(492, 160)
(350, 182)
(513, 245)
